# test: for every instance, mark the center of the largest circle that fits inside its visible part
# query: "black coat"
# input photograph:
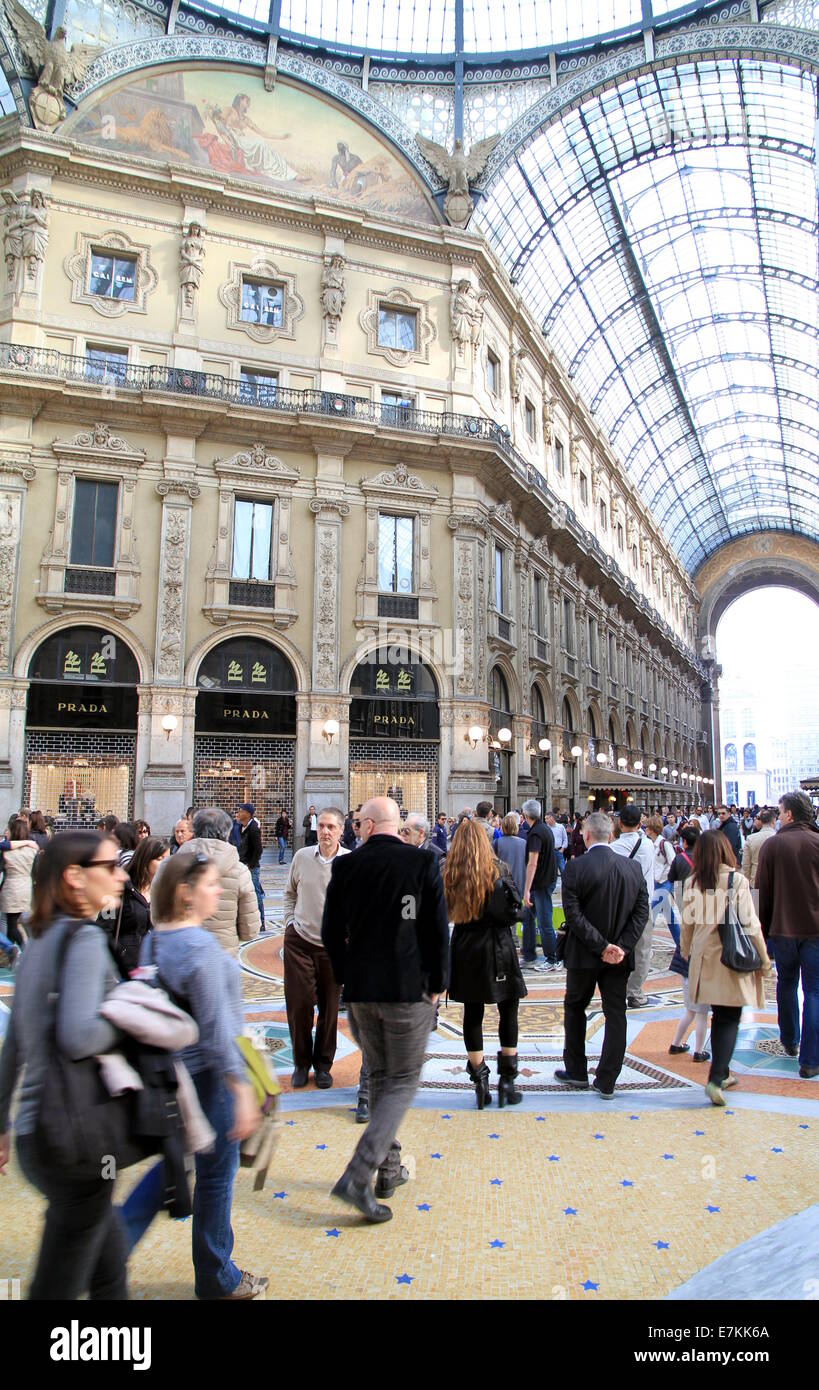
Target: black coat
(250, 845)
(385, 923)
(134, 924)
(605, 900)
(483, 962)
(731, 832)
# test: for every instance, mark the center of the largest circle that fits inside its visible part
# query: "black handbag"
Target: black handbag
(80, 1125)
(738, 951)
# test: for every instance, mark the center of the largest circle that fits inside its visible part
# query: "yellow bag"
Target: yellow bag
(257, 1150)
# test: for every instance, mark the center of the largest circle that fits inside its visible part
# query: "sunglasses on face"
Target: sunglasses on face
(109, 864)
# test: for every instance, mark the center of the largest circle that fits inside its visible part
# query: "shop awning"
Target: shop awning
(629, 781)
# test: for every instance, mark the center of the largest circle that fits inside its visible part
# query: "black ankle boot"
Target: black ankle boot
(480, 1078)
(508, 1094)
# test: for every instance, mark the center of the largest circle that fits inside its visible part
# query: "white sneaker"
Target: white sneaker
(544, 967)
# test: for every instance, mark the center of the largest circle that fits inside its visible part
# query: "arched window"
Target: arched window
(730, 757)
(499, 691)
(612, 734)
(592, 723)
(538, 708)
(568, 721)
(749, 757)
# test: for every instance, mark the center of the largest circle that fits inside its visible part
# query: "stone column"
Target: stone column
(525, 784)
(469, 776)
(15, 475)
(177, 504)
(164, 762)
(326, 760)
(13, 697)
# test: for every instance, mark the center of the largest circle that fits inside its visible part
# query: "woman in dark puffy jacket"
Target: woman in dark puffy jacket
(484, 967)
(128, 929)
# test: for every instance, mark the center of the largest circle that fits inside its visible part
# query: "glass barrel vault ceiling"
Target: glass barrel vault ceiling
(665, 235)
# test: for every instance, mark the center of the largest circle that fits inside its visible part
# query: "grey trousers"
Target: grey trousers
(364, 1080)
(642, 961)
(393, 1038)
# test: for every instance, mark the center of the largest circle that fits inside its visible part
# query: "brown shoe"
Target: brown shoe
(249, 1286)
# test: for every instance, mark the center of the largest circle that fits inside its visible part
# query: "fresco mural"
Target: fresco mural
(223, 119)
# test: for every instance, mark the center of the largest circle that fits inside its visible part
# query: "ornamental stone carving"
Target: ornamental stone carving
(549, 420)
(98, 439)
(25, 239)
(264, 270)
(170, 634)
(425, 330)
(192, 262)
(258, 460)
(399, 477)
(465, 580)
(11, 513)
(333, 293)
(466, 316)
(327, 581)
(78, 269)
(516, 361)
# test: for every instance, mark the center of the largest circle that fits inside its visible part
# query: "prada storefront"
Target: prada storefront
(81, 728)
(245, 738)
(395, 735)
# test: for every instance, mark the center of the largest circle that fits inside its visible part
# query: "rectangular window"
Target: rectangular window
(105, 364)
(620, 536)
(560, 459)
(112, 277)
(492, 373)
(584, 490)
(612, 656)
(635, 559)
(499, 579)
(395, 408)
(252, 540)
(629, 669)
(258, 388)
(539, 614)
(262, 302)
(568, 626)
(529, 410)
(604, 517)
(397, 328)
(93, 530)
(593, 642)
(396, 541)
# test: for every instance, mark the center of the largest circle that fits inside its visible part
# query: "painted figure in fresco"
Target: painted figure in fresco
(255, 144)
(343, 163)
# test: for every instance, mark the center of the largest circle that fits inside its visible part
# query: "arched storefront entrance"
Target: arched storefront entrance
(541, 746)
(81, 728)
(395, 735)
(245, 732)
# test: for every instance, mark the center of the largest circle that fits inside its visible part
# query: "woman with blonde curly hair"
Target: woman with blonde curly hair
(483, 903)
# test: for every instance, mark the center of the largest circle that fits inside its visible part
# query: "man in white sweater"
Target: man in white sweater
(633, 845)
(308, 975)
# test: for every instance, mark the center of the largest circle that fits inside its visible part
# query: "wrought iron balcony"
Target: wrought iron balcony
(91, 581)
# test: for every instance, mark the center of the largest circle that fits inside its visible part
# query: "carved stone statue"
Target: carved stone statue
(516, 361)
(25, 236)
(458, 168)
(192, 257)
(548, 420)
(466, 315)
(333, 291)
(35, 233)
(51, 59)
(13, 237)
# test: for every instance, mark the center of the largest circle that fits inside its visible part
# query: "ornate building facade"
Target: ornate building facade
(296, 504)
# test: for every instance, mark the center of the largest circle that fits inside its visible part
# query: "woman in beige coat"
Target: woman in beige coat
(15, 894)
(710, 982)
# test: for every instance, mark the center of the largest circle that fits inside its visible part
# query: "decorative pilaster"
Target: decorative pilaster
(164, 771)
(469, 541)
(15, 475)
(177, 505)
(13, 697)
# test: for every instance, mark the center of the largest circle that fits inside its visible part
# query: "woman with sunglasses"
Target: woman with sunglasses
(77, 877)
(205, 981)
(127, 930)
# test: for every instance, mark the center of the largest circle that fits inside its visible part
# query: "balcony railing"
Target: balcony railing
(101, 583)
(593, 678)
(538, 648)
(43, 363)
(252, 593)
(614, 690)
(397, 606)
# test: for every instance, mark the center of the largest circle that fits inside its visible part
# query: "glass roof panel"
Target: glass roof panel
(675, 275)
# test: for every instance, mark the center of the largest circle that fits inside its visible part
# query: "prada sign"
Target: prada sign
(81, 707)
(394, 719)
(220, 712)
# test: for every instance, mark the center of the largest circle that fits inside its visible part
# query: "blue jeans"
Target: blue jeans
(282, 848)
(215, 1273)
(257, 884)
(542, 903)
(561, 862)
(794, 956)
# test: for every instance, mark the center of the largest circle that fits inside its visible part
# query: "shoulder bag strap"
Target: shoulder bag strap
(636, 847)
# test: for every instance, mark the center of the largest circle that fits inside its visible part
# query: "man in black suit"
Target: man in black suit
(605, 900)
(250, 849)
(386, 933)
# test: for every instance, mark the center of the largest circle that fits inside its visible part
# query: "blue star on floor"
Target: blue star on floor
(422, 1206)
(494, 1136)
(710, 1208)
(496, 1182)
(403, 1278)
(321, 1146)
(435, 1155)
(749, 1177)
(589, 1284)
(777, 1151)
(729, 1112)
(660, 1244)
(497, 1244)
(634, 1117)
(290, 1122)
(280, 1195)
(626, 1182)
(446, 1117)
(553, 1158)
(334, 1232)
(570, 1211)
(699, 1132)
(668, 1155)
(598, 1136)
(804, 1126)
(541, 1119)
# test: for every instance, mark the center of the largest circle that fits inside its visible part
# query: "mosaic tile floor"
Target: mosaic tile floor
(564, 1196)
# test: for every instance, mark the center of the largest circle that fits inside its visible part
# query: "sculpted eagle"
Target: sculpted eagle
(458, 169)
(56, 65)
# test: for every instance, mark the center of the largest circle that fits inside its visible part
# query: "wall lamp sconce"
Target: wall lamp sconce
(652, 767)
(612, 798)
(505, 735)
(591, 797)
(601, 758)
(330, 729)
(663, 771)
(576, 750)
(623, 762)
(544, 744)
(169, 723)
(475, 735)
(674, 772)
(638, 767)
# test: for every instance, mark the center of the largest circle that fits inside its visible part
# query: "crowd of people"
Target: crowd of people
(381, 916)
